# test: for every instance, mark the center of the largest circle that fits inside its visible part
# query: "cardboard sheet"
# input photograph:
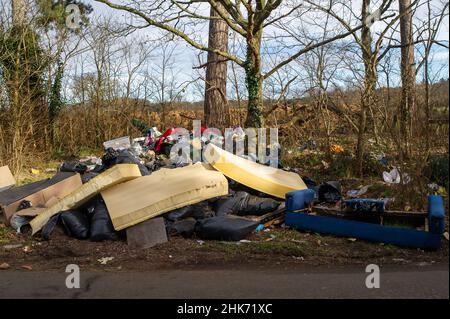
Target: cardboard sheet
(38, 193)
(6, 178)
(133, 202)
(113, 176)
(266, 179)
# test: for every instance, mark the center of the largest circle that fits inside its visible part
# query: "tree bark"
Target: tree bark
(368, 96)
(407, 107)
(254, 81)
(18, 12)
(216, 108)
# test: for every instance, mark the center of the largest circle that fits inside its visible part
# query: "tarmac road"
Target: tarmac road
(430, 281)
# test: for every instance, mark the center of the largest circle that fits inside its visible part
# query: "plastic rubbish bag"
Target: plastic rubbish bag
(394, 177)
(101, 225)
(185, 227)
(50, 226)
(242, 203)
(329, 192)
(225, 228)
(197, 211)
(113, 157)
(73, 166)
(76, 223)
(88, 176)
(17, 222)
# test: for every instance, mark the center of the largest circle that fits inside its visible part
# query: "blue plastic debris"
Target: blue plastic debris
(259, 228)
(298, 200)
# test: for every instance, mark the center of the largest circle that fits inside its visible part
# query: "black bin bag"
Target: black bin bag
(102, 228)
(225, 228)
(242, 203)
(76, 223)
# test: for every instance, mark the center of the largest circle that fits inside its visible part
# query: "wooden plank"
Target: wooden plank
(165, 190)
(266, 179)
(113, 176)
(7, 180)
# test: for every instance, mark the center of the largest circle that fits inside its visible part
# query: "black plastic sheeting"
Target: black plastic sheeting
(73, 166)
(76, 224)
(197, 211)
(92, 222)
(113, 157)
(225, 228)
(102, 228)
(48, 228)
(243, 204)
(88, 176)
(184, 227)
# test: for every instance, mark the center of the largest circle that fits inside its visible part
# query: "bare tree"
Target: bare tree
(407, 105)
(245, 17)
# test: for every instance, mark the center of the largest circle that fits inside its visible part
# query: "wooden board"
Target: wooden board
(266, 179)
(113, 176)
(39, 193)
(165, 190)
(6, 178)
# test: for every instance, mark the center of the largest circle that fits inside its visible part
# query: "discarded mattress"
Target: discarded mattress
(165, 190)
(38, 193)
(113, 176)
(6, 178)
(266, 179)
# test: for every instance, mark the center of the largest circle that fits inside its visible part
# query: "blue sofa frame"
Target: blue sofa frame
(427, 240)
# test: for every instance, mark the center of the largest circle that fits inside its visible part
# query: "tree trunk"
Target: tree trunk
(18, 8)
(254, 81)
(407, 107)
(216, 108)
(368, 97)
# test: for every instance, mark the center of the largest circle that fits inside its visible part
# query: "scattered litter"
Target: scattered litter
(351, 239)
(27, 267)
(394, 177)
(105, 260)
(298, 258)
(336, 149)
(200, 242)
(358, 192)
(326, 165)
(4, 266)
(27, 249)
(8, 247)
(170, 256)
(329, 192)
(310, 145)
(120, 143)
(259, 228)
(446, 235)
(245, 241)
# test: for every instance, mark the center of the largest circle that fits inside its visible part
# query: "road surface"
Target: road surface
(395, 282)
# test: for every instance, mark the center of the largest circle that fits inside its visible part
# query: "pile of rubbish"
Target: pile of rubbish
(137, 192)
(124, 193)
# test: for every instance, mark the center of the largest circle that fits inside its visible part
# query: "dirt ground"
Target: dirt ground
(275, 248)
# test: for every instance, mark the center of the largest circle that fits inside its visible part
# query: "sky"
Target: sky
(186, 57)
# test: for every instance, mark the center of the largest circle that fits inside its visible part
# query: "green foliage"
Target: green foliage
(22, 62)
(342, 165)
(253, 87)
(56, 102)
(53, 13)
